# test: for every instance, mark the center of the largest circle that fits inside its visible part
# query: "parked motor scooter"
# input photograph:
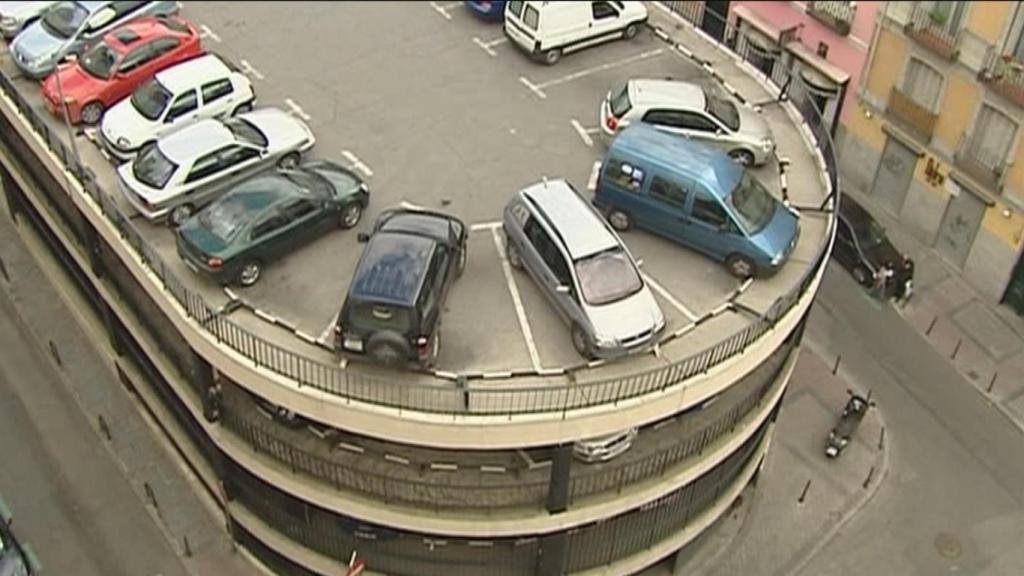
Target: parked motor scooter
(849, 420)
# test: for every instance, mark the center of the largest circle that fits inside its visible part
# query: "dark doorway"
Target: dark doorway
(1014, 296)
(713, 21)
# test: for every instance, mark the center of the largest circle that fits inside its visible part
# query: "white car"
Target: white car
(204, 87)
(546, 30)
(689, 110)
(16, 16)
(183, 171)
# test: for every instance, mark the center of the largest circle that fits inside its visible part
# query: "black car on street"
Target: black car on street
(863, 248)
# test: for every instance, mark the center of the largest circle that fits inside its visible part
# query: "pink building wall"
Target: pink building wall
(847, 53)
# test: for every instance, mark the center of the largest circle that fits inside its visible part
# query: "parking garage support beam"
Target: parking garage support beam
(202, 378)
(558, 483)
(553, 550)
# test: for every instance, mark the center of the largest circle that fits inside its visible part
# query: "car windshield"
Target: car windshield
(752, 203)
(307, 183)
(99, 61)
(151, 99)
(607, 277)
(64, 19)
(620, 103)
(870, 233)
(152, 167)
(225, 218)
(246, 132)
(724, 110)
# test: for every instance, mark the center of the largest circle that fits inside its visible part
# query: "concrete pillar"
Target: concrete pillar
(10, 193)
(92, 246)
(558, 484)
(114, 329)
(209, 391)
(554, 549)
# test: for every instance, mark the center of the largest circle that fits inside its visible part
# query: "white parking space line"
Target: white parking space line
(594, 172)
(205, 32)
(533, 87)
(357, 163)
(441, 10)
(481, 226)
(524, 324)
(602, 67)
(250, 70)
(325, 334)
(410, 206)
(489, 46)
(582, 132)
(297, 110)
(671, 299)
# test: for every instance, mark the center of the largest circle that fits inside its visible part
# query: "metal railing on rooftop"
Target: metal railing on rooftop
(837, 15)
(977, 159)
(461, 397)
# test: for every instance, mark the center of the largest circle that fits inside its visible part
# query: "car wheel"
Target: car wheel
(289, 161)
(862, 275)
(552, 56)
(351, 215)
(514, 259)
(250, 273)
(181, 213)
(740, 266)
(386, 348)
(620, 220)
(631, 31)
(91, 113)
(581, 343)
(242, 108)
(435, 351)
(742, 157)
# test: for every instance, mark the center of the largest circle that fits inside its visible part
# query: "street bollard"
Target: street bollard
(151, 496)
(188, 549)
(957, 349)
(928, 332)
(803, 495)
(881, 438)
(3, 271)
(992, 382)
(835, 367)
(55, 353)
(868, 479)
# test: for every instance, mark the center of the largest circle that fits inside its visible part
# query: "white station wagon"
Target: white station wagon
(204, 87)
(183, 171)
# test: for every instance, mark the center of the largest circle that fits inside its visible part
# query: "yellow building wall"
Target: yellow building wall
(868, 130)
(988, 19)
(1008, 229)
(887, 64)
(956, 110)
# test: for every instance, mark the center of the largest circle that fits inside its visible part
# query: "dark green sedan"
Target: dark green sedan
(267, 216)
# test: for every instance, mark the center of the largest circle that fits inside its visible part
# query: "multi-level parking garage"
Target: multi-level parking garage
(468, 468)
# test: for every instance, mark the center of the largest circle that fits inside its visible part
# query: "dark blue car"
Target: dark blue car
(494, 11)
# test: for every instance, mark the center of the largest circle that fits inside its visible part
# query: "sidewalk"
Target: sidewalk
(770, 531)
(984, 340)
(192, 527)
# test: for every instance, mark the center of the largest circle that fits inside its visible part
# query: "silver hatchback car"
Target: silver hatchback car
(689, 110)
(583, 268)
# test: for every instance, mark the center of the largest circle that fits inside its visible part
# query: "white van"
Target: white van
(546, 30)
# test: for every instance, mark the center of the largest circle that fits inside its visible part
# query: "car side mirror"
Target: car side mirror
(362, 237)
(562, 289)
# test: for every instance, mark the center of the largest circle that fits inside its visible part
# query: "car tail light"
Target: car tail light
(214, 262)
(423, 346)
(612, 123)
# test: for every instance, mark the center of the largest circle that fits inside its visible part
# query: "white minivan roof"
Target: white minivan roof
(581, 230)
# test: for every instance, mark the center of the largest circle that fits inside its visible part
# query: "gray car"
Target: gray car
(67, 27)
(583, 269)
(690, 110)
(15, 16)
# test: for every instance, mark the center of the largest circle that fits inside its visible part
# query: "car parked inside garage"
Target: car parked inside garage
(392, 312)
(583, 268)
(185, 170)
(268, 216)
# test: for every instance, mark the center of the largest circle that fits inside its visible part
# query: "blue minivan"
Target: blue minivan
(697, 196)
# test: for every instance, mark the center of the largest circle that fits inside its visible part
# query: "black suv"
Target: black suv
(863, 248)
(393, 309)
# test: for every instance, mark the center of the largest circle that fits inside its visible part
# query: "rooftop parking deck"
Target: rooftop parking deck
(435, 108)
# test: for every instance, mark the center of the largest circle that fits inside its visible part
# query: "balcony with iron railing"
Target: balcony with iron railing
(930, 29)
(1004, 75)
(837, 15)
(977, 160)
(910, 115)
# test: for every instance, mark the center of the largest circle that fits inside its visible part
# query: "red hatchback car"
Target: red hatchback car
(112, 68)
